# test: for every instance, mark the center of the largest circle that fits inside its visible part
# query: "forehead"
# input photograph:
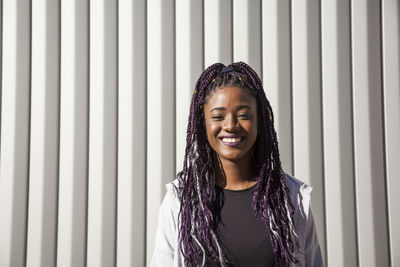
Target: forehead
(228, 95)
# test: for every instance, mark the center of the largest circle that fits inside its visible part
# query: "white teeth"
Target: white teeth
(230, 140)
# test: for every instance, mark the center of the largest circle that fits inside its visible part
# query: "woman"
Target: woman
(232, 205)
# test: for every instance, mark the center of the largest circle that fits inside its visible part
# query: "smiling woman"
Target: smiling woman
(232, 204)
(231, 124)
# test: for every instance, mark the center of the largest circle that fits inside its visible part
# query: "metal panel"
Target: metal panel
(74, 111)
(131, 133)
(276, 68)
(43, 167)
(102, 134)
(247, 33)
(189, 65)
(330, 70)
(391, 96)
(160, 109)
(368, 139)
(307, 110)
(15, 108)
(217, 32)
(1, 58)
(338, 145)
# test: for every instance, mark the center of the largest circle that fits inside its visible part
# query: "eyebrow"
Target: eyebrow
(237, 108)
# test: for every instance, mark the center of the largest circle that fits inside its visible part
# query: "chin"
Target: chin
(232, 157)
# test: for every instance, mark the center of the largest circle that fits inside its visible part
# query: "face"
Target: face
(231, 122)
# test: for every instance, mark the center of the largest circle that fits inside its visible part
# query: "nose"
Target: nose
(230, 123)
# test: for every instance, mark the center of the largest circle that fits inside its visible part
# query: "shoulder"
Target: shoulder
(169, 209)
(171, 199)
(172, 190)
(300, 193)
(295, 184)
(171, 186)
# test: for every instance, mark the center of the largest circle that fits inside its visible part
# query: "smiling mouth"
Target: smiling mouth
(232, 141)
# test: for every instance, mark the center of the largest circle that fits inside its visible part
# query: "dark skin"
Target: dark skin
(231, 124)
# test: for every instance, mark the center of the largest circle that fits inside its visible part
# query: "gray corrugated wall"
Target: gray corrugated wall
(94, 105)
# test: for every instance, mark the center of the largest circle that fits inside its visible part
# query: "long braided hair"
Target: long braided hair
(198, 237)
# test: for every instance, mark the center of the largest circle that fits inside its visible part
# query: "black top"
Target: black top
(243, 237)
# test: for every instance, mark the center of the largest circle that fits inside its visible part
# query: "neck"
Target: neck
(235, 175)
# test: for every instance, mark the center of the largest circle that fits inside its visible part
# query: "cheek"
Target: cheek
(253, 130)
(211, 130)
(250, 126)
(211, 133)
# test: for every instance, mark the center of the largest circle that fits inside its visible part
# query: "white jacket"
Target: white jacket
(167, 254)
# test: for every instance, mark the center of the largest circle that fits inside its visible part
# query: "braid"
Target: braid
(196, 190)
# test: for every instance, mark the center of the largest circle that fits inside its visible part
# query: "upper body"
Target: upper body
(167, 252)
(231, 143)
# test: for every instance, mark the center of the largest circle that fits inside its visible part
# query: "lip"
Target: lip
(231, 143)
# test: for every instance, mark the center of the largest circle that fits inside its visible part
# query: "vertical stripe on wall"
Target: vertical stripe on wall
(247, 33)
(15, 113)
(276, 65)
(131, 133)
(74, 112)
(391, 101)
(95, 99)
(44, 136)
(101, 234)
(307, 106)
(189, 65)
(368, 141)
(160, 109)
(217, 32)
(337, 134)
